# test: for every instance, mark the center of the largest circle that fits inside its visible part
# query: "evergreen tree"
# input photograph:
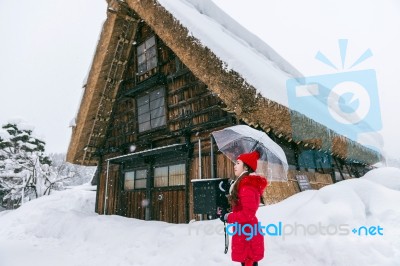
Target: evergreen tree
(24, 167)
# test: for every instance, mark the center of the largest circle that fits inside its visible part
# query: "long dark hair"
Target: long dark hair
(234, 197)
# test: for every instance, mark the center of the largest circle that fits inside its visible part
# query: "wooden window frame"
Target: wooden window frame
(150, 111)
(144, 56)
(135, 179)
(168, 178)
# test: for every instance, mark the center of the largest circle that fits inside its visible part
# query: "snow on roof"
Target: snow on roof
(240, 49)
(72, 123)
(248, 54)
(146, 151)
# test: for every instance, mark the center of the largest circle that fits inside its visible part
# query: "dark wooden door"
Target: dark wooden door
(168, 205)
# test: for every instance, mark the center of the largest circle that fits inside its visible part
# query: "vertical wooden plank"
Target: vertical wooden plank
(129, 204)
(176, 203)
(181, 211)
(169, 208)
(153, 206)
(174, 206)
(164, 206)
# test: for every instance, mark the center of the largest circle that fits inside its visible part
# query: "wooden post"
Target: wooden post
(187, 177)
(348, 170)
(149, 185)
(199, 158)
(296, 155)
(338, 167)
(212, 157)
(105, 192)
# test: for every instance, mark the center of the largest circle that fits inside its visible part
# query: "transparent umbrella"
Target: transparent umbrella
(235, 140)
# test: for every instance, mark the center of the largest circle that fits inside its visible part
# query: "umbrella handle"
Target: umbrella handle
(226, 239)
(255, 145)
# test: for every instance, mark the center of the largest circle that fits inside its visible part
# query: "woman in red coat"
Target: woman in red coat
(244, 197)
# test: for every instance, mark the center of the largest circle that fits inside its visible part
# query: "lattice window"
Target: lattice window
(171, 175)
(135, 179)
(151, 110)
(147, 55)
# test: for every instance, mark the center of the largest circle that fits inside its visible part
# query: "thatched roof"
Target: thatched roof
(102, 85)
(239, 96)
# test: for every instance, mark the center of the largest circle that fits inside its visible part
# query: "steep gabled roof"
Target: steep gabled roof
(259, 104)
(103, 82)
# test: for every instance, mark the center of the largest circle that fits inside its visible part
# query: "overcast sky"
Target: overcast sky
(47, 47)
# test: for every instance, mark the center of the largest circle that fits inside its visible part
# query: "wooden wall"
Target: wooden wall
(168, 205)
(192, 113)
(133, 204)
(112, 188)
(223, 167)
(191, 109)
(278, 191)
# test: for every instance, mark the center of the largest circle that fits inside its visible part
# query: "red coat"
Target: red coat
(250, 189)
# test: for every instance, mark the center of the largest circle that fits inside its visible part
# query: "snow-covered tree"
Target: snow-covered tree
(24, 167)
(26, 172)
(77, 174)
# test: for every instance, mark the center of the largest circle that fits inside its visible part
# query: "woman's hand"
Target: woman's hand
(222, 214)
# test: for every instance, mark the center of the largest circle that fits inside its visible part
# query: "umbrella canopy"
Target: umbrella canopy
(235, 140)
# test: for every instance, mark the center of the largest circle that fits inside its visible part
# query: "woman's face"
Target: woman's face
(238, 168)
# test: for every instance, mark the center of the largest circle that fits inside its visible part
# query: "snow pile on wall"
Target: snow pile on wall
(62, 229)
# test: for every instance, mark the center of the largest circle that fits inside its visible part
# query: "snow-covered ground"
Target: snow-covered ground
(63, 229)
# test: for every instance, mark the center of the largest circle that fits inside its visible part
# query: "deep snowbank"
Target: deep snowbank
(386, 176)
(62, 229)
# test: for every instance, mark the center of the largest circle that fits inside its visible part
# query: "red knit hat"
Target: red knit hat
(250, 159)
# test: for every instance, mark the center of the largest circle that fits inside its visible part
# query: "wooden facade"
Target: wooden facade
(191, 111)
(148, 130)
